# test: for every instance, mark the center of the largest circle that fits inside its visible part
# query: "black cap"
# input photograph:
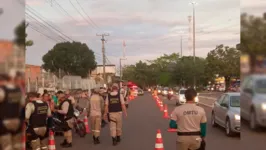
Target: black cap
(60, 92)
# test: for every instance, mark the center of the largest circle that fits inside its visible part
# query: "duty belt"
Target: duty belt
(188, 133)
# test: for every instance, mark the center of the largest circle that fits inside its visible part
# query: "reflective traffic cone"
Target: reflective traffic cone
(51, 143)
(166, 116)
(87, 124)
(159, 141)
(23, 141)
(161, 107)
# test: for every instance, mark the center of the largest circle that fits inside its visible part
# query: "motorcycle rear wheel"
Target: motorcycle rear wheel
(81, 129)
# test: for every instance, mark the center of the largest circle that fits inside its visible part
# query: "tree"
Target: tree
(185, 70)
(21, 35)
(223, 61)
(253, 36)
(70, 58)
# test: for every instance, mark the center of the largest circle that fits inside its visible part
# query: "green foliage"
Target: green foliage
(171, 70)
(21, 35)
(224, 61)
(70, 58)
(253, 34)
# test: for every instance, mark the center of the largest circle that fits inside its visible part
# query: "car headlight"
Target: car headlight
(263, 106)
(159, 91)
(196, 99)
(237, 117)
(171, 92)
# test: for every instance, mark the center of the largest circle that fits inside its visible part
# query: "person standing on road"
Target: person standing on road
(11, 104)
(114, 106)
(66, 114)
(82, 104)
(36, 115)
(95, 112)
(190, 120)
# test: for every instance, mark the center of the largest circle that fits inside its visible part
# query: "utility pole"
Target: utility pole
(181, 46)
(103, 53)
(194, 61)
(120, 61)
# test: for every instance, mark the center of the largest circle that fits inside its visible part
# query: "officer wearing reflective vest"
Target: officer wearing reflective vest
(190, 121)
(66, 114)
(11, 104)
(114, 106)
(36, 116)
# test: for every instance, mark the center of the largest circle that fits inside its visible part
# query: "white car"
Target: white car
(181, 97)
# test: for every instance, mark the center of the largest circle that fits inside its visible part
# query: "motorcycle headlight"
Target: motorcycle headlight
(263, 106)
(237, 117)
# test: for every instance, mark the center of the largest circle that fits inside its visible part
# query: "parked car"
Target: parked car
(253, 100)
(226, 113)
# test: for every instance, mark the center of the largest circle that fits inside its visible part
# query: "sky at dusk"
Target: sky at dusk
(149, 28)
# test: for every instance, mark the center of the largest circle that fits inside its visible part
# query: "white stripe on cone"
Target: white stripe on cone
(158, 145)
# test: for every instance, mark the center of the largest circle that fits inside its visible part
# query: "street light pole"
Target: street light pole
(194, 59)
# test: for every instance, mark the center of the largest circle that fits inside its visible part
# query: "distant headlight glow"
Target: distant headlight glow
(196, 99)
(237, 117)
(263, 106)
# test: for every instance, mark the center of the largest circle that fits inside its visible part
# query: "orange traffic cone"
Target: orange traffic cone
(166, 116)
(86, 124)
(159, 141)
(23, 141)
(51, 143)
(161, 107)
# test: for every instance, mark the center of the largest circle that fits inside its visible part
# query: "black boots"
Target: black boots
(116, 140)
(65, 144)
(96, 140)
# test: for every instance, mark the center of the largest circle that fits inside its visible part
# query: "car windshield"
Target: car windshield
(235, 101)
(182, 91)
(260, 86)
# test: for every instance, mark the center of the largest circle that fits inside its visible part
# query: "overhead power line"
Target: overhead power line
(49, 37)
(82, 15)
(87, 15)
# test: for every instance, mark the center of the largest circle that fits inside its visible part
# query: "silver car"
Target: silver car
(181, 97)
(226, 113)
(253, 100)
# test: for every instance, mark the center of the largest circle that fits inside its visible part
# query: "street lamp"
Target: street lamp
(194, 61)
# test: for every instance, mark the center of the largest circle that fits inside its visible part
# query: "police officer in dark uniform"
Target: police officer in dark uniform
(66, 114)
(114, 106)
(36, 115)
(11, 103)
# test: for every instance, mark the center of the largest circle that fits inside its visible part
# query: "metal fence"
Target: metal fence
(50, 81)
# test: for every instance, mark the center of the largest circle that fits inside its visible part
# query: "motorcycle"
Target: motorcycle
(79, 124)
(170, 95)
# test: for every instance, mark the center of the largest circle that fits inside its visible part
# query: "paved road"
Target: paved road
(143, 121)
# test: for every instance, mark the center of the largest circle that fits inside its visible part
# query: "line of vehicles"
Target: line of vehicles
(177, 94)
(249, 104)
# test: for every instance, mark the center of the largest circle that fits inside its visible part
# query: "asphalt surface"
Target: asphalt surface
(143, 121)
